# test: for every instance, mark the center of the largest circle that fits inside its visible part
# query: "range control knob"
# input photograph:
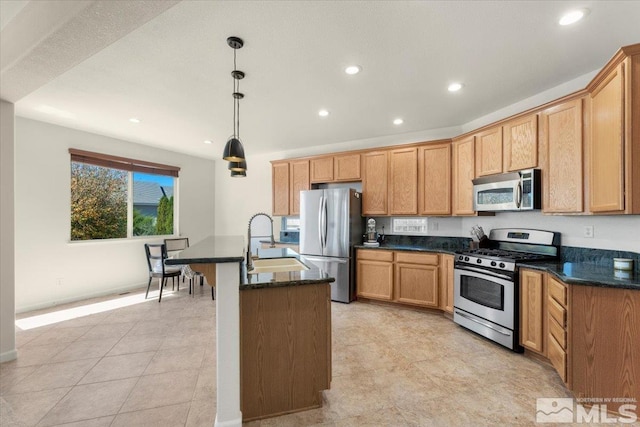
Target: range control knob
(502, 265)
(493, 263)
(479, 261)
(466, 258)
(460, 257)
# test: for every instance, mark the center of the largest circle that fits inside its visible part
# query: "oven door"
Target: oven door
(485, 295)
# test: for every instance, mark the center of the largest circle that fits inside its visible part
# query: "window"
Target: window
(114, 197)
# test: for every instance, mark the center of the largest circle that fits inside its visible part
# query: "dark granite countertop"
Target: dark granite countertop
(589, 274)
(394, 247)
(312, 276)
(225, 249)
(211, 250)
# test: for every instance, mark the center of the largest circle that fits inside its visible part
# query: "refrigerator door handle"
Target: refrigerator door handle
(320, 222)
(324, 223)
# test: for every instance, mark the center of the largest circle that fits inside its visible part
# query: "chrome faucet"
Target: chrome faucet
(273, 241)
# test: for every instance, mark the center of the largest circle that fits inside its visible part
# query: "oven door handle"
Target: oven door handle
(486, 325)
(484, 272)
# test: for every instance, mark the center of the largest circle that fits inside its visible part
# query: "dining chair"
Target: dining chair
(156, 254)
(178, 244)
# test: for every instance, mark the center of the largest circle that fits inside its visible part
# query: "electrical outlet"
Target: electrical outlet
(588, 231)
(59, 281)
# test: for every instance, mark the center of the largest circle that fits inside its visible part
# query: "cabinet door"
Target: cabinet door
(561, 143)
(446, 282)
(374, 183)
(403, 181)
(434, 179)
(299, 174)
(463, 174)
(346, 167)
(321, 169)
(521, 143)
(417, 284)
(606, 153)
(280, 188)
(374, 279)
(489, 152)
(532, 310)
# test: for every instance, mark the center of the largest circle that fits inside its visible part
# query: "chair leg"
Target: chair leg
(148, 286)
(163, 281)
(213, 297)
(178, 283)
(173, 283)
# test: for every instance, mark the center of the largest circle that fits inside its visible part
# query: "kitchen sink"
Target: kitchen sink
(274, 265)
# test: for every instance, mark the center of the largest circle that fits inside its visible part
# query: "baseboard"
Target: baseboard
(8, 355)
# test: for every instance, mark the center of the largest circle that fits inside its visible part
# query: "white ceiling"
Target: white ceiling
(173, 70)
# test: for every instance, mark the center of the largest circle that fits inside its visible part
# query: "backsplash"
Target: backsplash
(432, 242)
(602, 257)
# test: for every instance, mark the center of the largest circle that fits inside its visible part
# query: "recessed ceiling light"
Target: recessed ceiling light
(207, 141)
(352, 69)
(573, 16)
(134, 120)
(398, 121)
(323, 113)
(454, 87)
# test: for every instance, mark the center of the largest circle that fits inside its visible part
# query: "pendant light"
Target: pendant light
(238, 166)
(233, 150)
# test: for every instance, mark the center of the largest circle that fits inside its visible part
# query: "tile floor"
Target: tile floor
(151, 364)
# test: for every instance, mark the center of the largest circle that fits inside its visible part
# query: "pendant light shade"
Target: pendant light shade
(233, 150)
(238, 166)
(238, 174)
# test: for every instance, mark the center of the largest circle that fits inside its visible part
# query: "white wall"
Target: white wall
(7, 234)
(49, 268)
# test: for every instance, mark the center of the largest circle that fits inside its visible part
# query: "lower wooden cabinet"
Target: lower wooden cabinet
(604, 331)
(374, 274)
(401, 276)
(416, 279)
(557, 321)
(533, 310)
(446, 282)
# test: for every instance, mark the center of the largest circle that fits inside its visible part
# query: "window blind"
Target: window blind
(123, 163)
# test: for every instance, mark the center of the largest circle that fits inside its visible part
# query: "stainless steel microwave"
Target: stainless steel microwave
(513, 191)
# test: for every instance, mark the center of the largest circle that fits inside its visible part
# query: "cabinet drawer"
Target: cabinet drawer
(375, 255)
(417, 258)
(557, 291)
(558, 333)
(558, 312)
(557, 357)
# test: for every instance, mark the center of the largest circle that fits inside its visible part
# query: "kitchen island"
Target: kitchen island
(273, 331)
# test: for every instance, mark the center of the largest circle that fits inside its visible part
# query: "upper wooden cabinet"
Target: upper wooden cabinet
(374, 183)
(614, 143)
(463, 174)
(346, 167)
(321, 169)
(288, 179)
(561, 157)
(280, 188)
(488, 151)
(299, 181)
(434, 179)
(403, 181)
(520, 143)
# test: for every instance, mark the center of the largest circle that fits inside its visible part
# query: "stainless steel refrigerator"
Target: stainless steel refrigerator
(330, 224)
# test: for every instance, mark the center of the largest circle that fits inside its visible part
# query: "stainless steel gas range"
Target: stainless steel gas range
(486, 281)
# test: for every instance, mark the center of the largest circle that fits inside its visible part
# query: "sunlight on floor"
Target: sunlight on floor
(85, 310)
